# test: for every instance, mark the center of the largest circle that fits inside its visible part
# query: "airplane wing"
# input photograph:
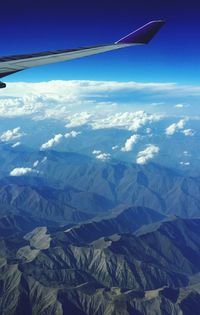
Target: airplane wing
(12, 64)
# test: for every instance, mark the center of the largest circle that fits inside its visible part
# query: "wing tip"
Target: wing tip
(143, 34)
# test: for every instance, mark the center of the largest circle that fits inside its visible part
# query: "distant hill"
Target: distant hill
(46, 203)
(152, 186)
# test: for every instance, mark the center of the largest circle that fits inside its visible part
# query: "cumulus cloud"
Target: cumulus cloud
(170, 131)
(72, 134)
(12, 134)
(101, 155)
(188, 132)
(128, 120)
(78, 119)
(130, 142)
(52, 142)
(144, 156)
(20, 171)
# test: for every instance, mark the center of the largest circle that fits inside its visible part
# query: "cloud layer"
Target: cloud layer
(59, 99)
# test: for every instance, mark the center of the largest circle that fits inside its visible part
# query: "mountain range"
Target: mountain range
(109, 183)
(152, 271)
(81, 236)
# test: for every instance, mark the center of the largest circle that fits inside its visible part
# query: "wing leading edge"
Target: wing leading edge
(12, 64)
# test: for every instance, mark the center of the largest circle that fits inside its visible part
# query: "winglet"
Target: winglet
(143, 34)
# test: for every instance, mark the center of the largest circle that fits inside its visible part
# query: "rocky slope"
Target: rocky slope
(155, 271)
(121, 220)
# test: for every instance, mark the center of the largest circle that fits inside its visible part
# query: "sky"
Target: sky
(172, 56)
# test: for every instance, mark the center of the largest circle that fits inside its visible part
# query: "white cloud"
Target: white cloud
(128, 120)
(179, 106)
(28, 105)
(44, 159)
(36, 163)
(144, 156)
(101, 155)
(70, 89)
(16, 144)
(186, 153)
(12, 134)
(188, 132)
(130, 142)
(58, 99)
(185, 163)
(96, 152)
(72, 134)
(115, 147)
(148, 130)
(181, 123)
(170, 131)
(20, 171)
(52, 142)
(78, 119)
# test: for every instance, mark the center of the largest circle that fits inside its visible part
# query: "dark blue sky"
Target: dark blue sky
(172, 56)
